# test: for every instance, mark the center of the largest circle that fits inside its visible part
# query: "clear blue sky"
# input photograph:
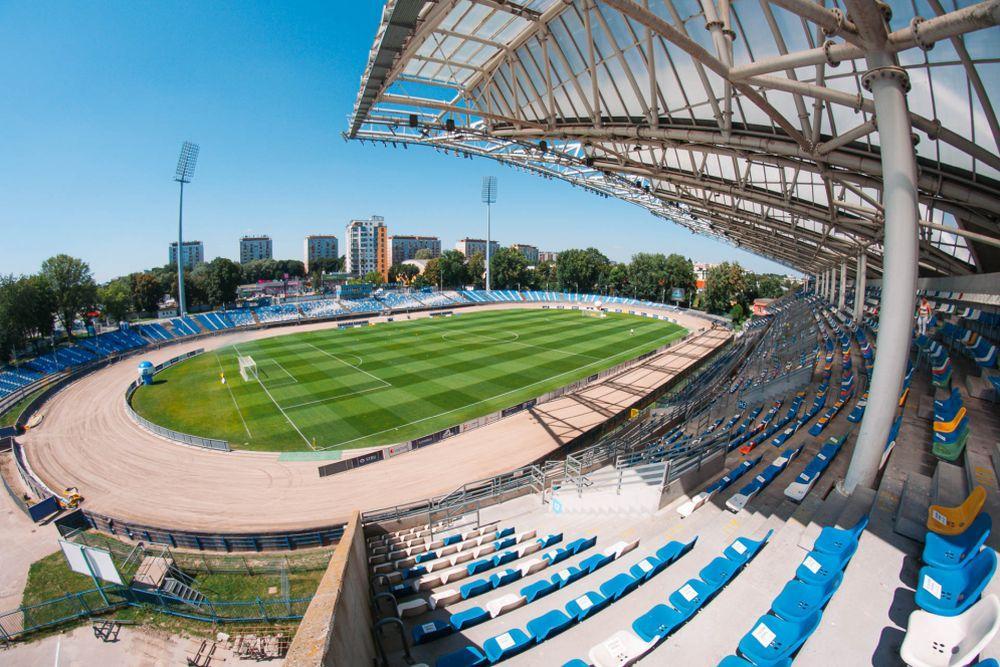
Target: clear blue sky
(97, 98)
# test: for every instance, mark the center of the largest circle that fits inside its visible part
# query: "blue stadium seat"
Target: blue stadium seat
(556, 555)
(503, 578)
(690, 597)
(538, 589)
(469, 617)
(504, 532)
(506, 645)
(950, 551)
(549, 540)
(467, 656)
(453, 539)
(657, 623)
(950, 592)
(586, 604)
(566, 576)
(798, 600)
(619, 585)
(736, 661)
(842, 542)
(474, 588)
(774, 641)
(428, 632)
(477, 566)
(595, 562)
(742, 550)
(819, 568)
(576, 662)
(505, 557)
(674, 550)
(548, 625)
(647, 567)
(718, 573)
(504, 543)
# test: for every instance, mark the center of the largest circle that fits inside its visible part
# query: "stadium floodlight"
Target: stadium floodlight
(489, 197)
(185, 172)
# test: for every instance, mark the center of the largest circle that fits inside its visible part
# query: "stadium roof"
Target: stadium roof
(745, 121)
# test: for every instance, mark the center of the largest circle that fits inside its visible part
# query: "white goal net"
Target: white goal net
(248, 368)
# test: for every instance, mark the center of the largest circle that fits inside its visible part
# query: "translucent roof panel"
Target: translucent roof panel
(748, 121)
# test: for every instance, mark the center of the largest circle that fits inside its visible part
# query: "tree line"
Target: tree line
(64, 289)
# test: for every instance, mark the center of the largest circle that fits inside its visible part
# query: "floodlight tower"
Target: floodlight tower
(185, 172)
(489, 197)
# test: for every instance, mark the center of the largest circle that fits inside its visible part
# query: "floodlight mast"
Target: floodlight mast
(185, 172)
(489, 197)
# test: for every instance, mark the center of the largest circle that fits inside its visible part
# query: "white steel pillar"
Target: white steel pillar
(860, 284)
(842, 298)
(889, 85)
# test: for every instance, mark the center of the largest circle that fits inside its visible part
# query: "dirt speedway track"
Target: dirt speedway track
(86, 439)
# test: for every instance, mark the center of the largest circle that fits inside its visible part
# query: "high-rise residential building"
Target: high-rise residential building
(470, 247)
(547, 256)
(320, 246)
(255, 247)
(404, 247)
(530, 252)
(367, 247)
(192, 255)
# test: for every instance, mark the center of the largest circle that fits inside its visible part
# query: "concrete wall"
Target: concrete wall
(337, 627)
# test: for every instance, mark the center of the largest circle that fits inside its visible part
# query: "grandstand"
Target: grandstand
(815, 487)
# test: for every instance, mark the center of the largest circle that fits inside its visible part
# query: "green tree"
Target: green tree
(146, 292)
(452, 270)
(403, 273)
(581, 270)
(222, 277)
(768, 285)
(326, 265)
(27, 312)
(680, 273)
(725, 286)
(115, 299)
(509, 270)
(476, 270)
(72, 287)
(545, 276)
(617, 279)
(374, 278)
(423, 253)
(431, 274)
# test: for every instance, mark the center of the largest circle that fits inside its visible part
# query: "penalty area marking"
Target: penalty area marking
(280, 409)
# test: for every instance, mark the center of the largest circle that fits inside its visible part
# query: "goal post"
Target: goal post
(590, 312)
(248, 367)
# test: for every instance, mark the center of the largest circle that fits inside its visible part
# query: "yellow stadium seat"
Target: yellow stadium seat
(949, 426)
(903, 396)
(954, 520)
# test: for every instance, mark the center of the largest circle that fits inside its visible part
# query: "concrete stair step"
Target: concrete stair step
(826, 515)
(948, 485)
(911, 513)
(858, 505)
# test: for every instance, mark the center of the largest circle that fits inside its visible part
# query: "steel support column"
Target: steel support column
(860, 283)
(842, 298)
(889, 84)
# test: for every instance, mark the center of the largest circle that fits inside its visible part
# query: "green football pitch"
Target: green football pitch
(392, 382)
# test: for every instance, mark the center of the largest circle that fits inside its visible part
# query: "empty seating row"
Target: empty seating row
(554, 621)
(796, 612)
(649, 629)
(954, 621)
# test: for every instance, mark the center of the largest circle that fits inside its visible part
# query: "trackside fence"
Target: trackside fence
(24, 620)
(170, 434)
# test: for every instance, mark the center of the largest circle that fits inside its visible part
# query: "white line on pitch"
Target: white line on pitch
(233, 396)
(333, 356)
(332, 398)
(280, 409)
(491, 398)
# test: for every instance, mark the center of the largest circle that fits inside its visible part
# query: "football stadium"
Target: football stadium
(393, 453)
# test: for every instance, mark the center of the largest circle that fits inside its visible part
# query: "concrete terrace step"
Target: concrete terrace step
(152, 571)
(911, 513)
(948, 485)
(827, 514)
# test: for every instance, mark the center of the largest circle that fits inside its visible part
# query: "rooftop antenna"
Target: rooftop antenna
(489, 197)
(185, 172)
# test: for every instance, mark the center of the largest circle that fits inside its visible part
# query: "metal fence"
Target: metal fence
(170, 434)
(24, 620)
(320, 537)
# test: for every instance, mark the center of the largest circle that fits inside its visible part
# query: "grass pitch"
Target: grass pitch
(389, 383)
